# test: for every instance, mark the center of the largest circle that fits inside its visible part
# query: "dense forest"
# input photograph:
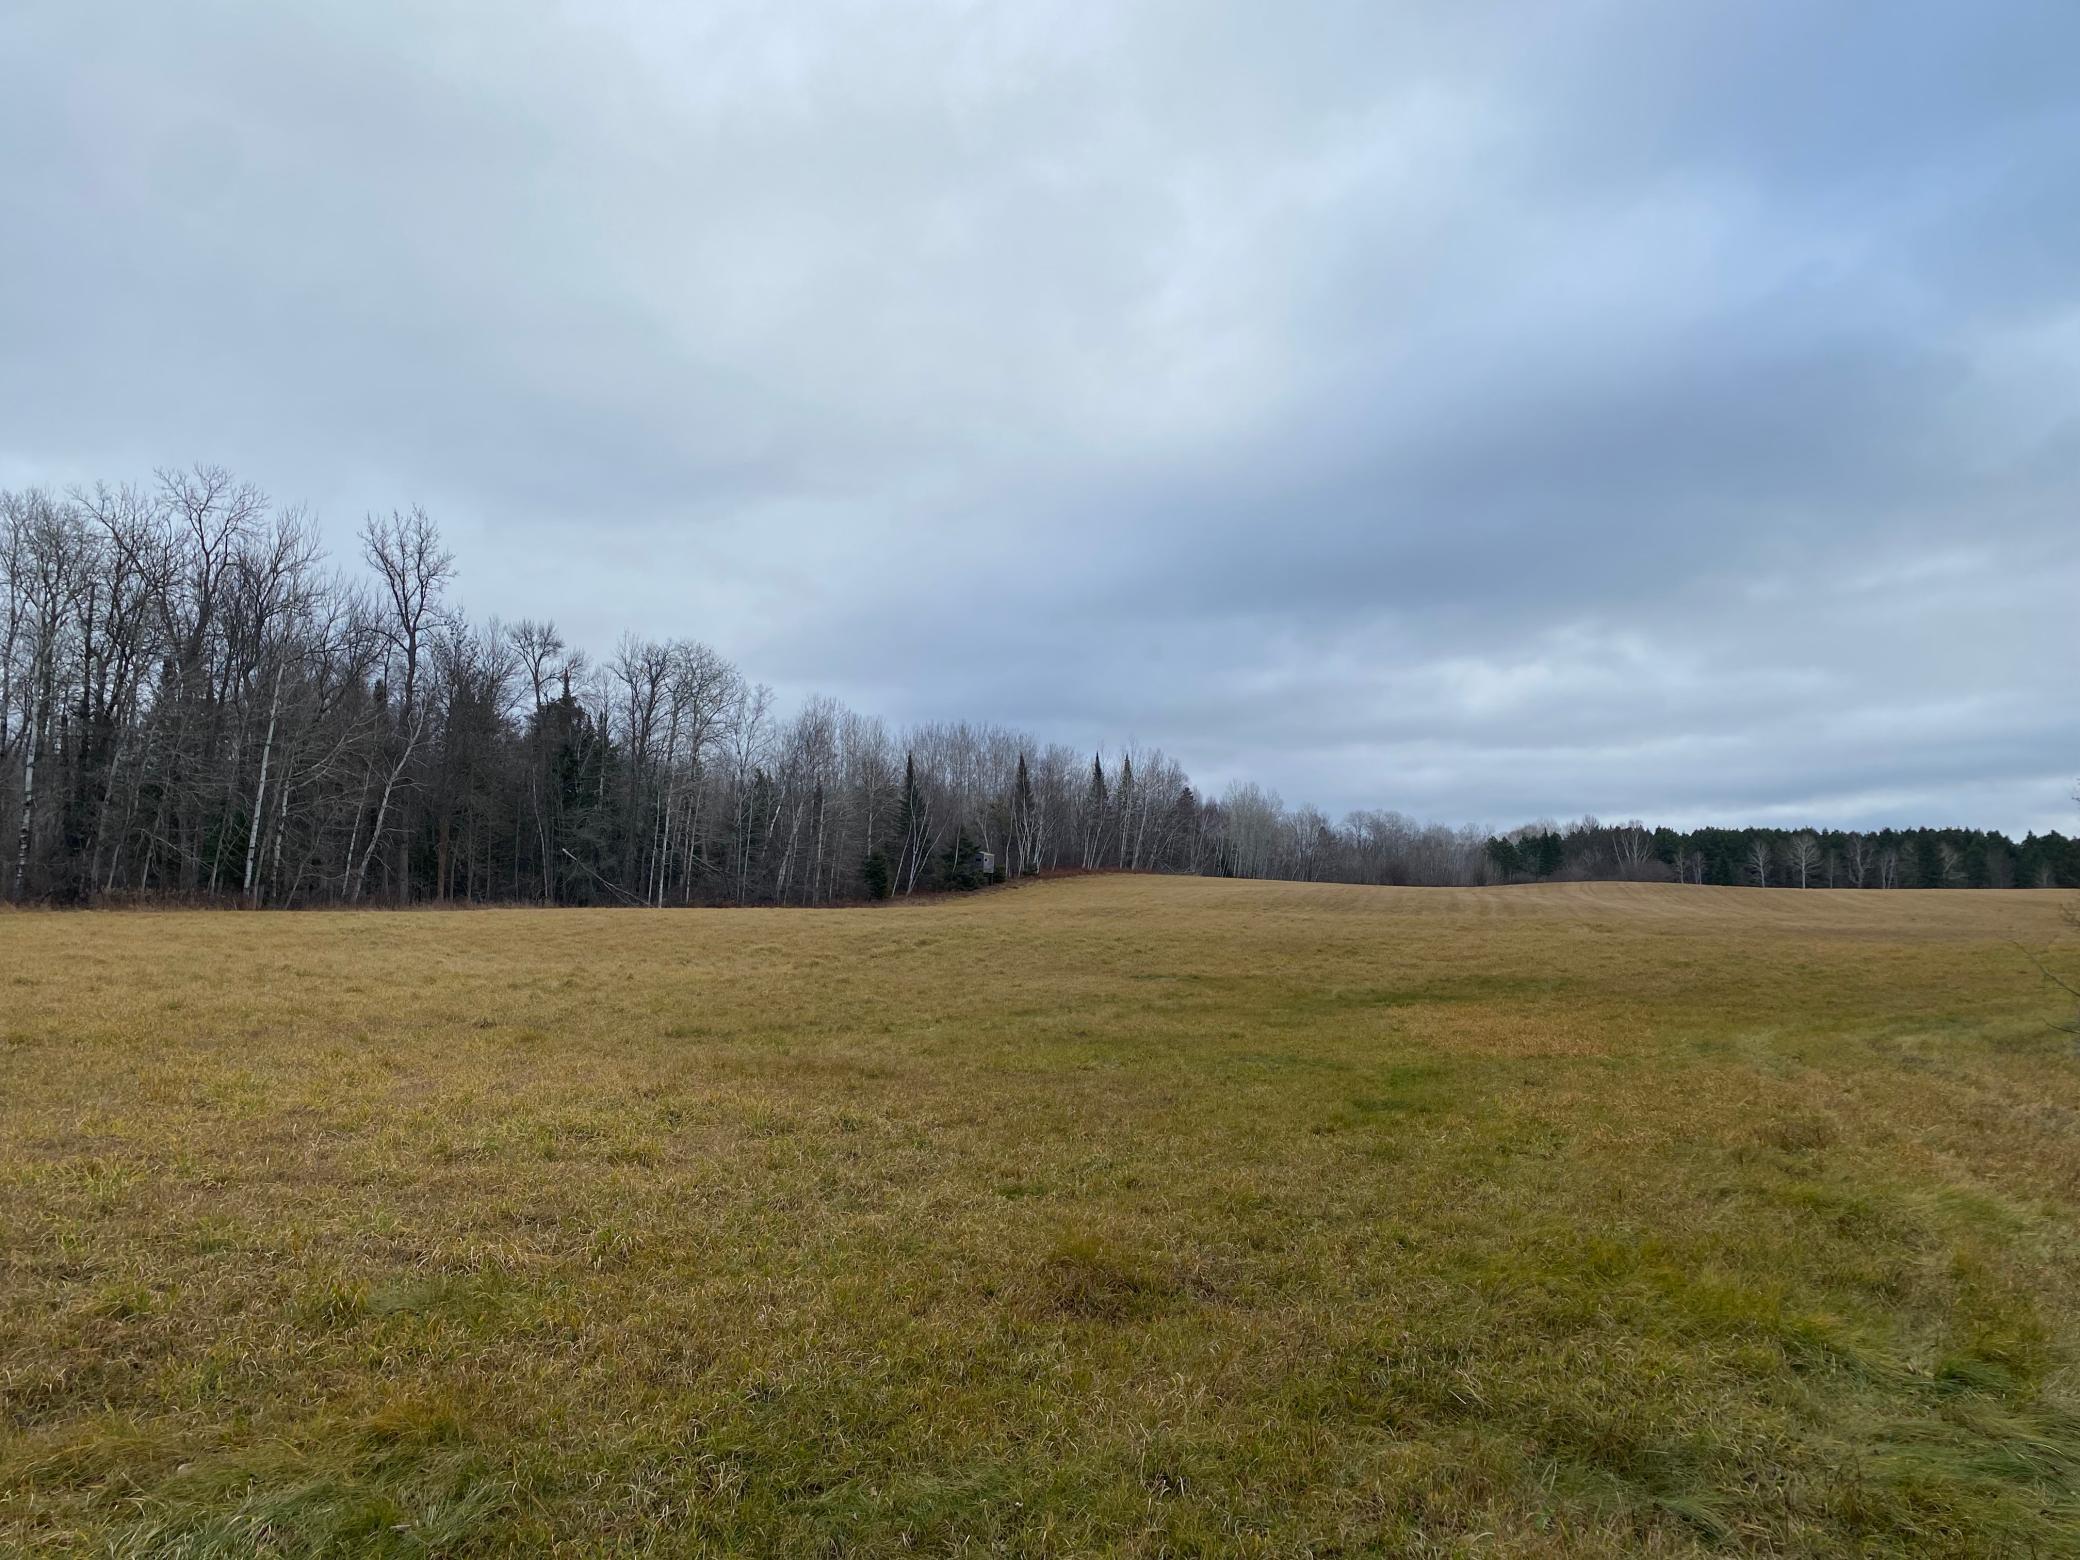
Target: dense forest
(194, 706)
(1788, 858)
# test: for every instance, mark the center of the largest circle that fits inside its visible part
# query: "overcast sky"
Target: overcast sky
(1486, 411)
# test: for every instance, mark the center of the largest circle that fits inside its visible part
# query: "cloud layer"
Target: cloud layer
(1615, 407)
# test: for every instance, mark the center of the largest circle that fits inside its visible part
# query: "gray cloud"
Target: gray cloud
(1620, 407)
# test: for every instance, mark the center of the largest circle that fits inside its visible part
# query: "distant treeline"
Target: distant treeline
(194, 707)
(1788, 858)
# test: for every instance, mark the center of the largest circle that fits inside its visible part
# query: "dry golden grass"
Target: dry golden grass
(1104, 1216)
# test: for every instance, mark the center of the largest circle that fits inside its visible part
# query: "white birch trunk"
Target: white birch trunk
(375, 837)
(274, 707)
(21, 854)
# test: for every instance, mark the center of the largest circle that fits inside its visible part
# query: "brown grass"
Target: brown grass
(1110, 1215)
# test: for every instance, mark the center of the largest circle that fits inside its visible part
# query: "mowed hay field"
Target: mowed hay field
(1109, 1215)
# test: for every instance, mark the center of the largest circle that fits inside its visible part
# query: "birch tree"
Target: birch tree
(413, 570)
(1801, 856)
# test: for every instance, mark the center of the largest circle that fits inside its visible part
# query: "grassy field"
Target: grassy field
(1111, 1215)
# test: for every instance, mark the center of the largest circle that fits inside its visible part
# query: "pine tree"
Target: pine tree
(1127, 855)
(1549, 855)
(1507, 858)
(1095, 807)
(913, 828)
(1025, 815)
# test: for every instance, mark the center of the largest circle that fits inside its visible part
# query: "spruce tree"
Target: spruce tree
(1126, 807)
(1094, 809)
(1550, 855)
(1504, 853)
(912, 819)
(1023, 811)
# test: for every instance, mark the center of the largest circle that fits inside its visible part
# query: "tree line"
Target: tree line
(1787, 858)
(195, 705)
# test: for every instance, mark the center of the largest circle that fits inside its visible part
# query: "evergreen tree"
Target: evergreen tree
(1124, 805)
(1549, 855)
(1507, 859)
(1095, 807)
(1025, 814)
(960, 864)
(913, 828)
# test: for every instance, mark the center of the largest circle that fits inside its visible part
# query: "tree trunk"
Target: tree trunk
(375, 837)
(33, 739)
(274, 706)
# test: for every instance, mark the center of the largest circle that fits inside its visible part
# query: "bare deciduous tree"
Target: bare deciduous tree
(1801, 856)
(191, 705)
